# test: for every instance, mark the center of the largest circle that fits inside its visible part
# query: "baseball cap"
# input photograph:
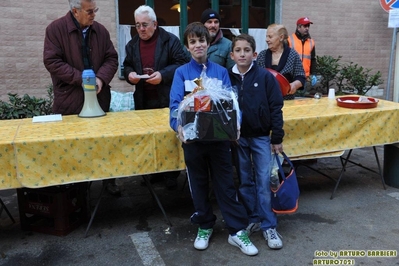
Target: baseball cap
(304, 21)
(209, 14)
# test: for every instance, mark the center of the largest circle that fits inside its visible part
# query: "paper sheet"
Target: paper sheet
(46, 118)
(145, 76)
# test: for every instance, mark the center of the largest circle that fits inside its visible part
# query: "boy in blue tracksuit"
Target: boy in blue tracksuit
(210, 159)
(261, 103)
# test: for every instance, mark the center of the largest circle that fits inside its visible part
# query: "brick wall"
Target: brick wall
(357, 30)
(22, 28)
(353, 29)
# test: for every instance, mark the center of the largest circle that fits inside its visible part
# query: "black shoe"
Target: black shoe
(113, 189)
(171, 183)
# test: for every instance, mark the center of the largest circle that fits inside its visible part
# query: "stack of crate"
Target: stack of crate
(54, 210)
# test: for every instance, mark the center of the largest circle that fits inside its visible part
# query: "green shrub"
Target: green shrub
(327, 67)
(355, 79)
(26, 106)
(349, 78)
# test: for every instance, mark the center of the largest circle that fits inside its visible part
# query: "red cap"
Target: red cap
(304, 21)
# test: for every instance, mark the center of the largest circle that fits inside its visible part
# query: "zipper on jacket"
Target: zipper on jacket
(242, 89)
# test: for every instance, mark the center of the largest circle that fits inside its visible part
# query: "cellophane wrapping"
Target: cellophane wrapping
(210, 113)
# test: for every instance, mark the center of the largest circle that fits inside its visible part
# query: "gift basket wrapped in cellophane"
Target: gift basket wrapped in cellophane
(210, 112)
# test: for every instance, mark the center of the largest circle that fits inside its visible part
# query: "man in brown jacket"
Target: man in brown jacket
(73, 43)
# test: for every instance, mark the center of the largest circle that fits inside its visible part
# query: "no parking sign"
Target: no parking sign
(389, 4)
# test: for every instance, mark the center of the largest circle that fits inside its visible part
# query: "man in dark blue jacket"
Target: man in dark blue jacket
(261, 103)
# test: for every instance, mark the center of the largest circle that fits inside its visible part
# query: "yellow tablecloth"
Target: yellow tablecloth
(319, 126)
(8, 173)
(82, 149)
(140, 142)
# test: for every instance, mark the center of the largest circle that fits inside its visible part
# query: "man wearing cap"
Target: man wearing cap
(220, 47)
(304, 45)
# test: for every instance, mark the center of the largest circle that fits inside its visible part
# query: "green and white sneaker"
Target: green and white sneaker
(202, 240)
(242, 241)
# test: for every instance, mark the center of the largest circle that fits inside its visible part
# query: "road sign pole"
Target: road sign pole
(396, 73)
(388, 90)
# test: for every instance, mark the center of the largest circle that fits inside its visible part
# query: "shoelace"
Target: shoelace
(272, 234)
(203, 233)
(244, 238)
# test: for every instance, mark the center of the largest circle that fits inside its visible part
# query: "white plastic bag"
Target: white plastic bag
(274, 178)
(121, 101)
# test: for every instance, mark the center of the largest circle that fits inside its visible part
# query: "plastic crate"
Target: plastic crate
(53, 210)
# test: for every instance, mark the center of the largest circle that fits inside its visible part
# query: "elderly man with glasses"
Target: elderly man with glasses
(152, 57)
(73, 43)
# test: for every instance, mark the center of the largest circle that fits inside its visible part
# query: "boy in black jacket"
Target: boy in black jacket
(262, 133)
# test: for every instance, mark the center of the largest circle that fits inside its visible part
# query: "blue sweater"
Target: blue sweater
(183, 78)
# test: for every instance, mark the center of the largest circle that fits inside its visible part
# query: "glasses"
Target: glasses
(142, 25)
(91, 11)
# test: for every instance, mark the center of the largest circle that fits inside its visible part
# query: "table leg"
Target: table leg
(3, 206)
(104, 184)
(344, 161)
(154, 195)
(315, 170)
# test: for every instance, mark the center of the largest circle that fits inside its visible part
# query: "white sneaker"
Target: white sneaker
(202, 240)
(273, 238)
(252, 228)
(242, 241)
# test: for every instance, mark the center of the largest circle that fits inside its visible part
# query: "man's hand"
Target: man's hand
(133, 77)
(180, 135)
(277, 148)
(99, 84)
(155, 78)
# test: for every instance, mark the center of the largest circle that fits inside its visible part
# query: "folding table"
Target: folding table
(316, 127)
(120, 144)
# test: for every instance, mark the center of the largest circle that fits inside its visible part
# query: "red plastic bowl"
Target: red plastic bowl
(282, 81)
(354, 103)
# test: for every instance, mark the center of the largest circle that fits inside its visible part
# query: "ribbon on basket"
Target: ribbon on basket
(285, 196)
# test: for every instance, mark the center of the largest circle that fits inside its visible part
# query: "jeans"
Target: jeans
(254, 159)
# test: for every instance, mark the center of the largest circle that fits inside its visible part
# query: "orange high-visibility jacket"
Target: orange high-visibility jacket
(304, 50)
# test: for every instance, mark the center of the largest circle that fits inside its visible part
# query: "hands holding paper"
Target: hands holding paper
(151, 77)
